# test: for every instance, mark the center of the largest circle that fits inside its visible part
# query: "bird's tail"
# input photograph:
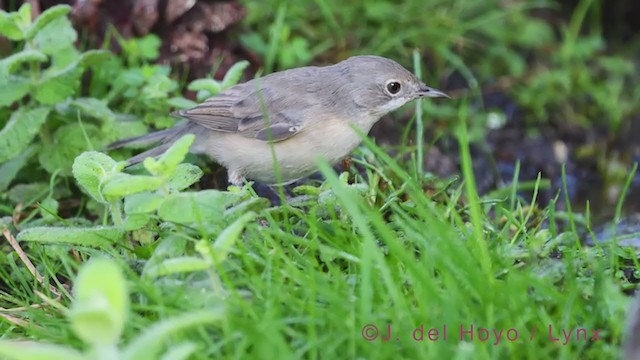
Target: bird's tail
(164, 137)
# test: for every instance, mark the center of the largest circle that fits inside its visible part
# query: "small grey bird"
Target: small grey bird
(300, 114)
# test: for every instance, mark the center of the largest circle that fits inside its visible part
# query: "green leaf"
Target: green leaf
(46, 18)
(31, 350)
(158, 87)
(94, 108)
(95, 237)
(181, 103)
(209, 85)
(127, 129)
(101, 303)
(167, 247)
(57, 34)
(9, 169)
(21, 128)
(120, 185)
(202, 95)
(207, 206)
(67, 143)
(90, 170)
(49, 208)
(136, 221)
(56, 86)
(234, 74)
(169, 160)
(9, 64)
(144, 48)
(23, 16)
(184, 176)
(13, 88)
(9, 28)
(183, 264)
(146, 345)
(27, 193)
(64, 57)
(228, 237)
(142, 203)
(93, 57)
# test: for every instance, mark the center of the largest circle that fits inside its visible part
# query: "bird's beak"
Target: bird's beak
(425, 91)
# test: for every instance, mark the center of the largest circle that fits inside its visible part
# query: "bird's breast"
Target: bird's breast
(330, 140)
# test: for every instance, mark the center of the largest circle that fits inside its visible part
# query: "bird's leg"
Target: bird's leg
(236, 178)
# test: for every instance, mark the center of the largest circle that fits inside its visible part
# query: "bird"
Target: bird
(291, 117)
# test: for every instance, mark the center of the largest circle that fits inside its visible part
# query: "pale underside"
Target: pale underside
(330, 140)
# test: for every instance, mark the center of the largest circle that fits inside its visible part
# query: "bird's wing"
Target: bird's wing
(259, 113)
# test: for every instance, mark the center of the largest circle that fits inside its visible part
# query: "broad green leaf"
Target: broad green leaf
(101, 303)
(201, 206)
(46, 18)
(181, 103)
(126, 129)
(147, 345)
(94, 108)
(9, 169)
(142, 203)
(121, 184)
(49, 208)
(13, 88)
(67, 143)
(23, 16)
(228, 237)
(169, 160)
(64, 57)
(234, 74)
(183, 264)
(93, 57)
(9, 28)
(27, 193)
(158, 87)
(95, 237)
(136, 221)
(184, 176)
(18, 133)
(57, 34)
(11, 63)
(31, 350)
(167, 247)
(144, 48)
(91, 168)
(209, 85)
(202, 95)
(56, 86)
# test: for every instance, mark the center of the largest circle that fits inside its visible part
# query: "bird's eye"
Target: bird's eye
(393, 87)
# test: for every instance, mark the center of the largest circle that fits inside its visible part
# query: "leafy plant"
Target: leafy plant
(98, 316)
(48, 40)
(137, 202)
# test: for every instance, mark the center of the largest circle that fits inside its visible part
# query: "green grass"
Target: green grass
(305, 281)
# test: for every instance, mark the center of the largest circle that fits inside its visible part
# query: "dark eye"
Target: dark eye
(393, 87)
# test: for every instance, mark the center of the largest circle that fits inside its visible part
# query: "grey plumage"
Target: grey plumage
(302, 113)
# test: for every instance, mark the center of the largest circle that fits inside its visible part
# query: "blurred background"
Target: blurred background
(547, 82)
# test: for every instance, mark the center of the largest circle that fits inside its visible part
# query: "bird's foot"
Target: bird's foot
(236, 179)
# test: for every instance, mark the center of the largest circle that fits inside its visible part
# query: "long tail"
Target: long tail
(164, 137)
